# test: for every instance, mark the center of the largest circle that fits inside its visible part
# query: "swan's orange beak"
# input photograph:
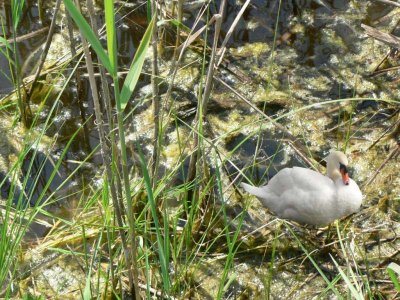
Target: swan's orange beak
(345, 174)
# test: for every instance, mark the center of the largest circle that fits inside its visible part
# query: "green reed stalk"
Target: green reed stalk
(156, 97)
(113, 53)
(122, 96)
(16, 13)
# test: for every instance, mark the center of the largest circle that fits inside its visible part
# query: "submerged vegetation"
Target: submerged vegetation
(121, 156)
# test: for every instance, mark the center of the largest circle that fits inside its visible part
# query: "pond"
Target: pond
(297, 79)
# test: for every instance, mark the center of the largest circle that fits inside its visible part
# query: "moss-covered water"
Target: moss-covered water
(298, 71)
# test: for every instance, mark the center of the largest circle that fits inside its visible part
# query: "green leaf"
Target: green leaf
(4, 42)
(162, 252)
(392, 269)
(111, 36)
(6, 52)
(87, 292)
(16, 10)
(89, 35)
(179, 24)
(136, 67)
(148, 6)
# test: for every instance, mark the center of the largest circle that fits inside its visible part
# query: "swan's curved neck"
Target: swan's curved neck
(333, 171)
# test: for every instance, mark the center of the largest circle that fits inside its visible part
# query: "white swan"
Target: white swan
(308, 197)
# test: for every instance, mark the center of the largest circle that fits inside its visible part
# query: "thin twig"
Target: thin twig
(386, 131)
(193, 37)
(174, 69)
(27, 36)
(375, 71)
(222, 49)
(202, 106)
(387, 38)
(45, 51)
(383, 71)
(155, 292)
(156, 96)
(109, 125)
(389, 2)
(395, 152)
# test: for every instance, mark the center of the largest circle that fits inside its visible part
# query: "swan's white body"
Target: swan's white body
(308, 197)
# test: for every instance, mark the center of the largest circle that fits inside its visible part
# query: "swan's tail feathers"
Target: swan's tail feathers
(256, 191)
(262, 193)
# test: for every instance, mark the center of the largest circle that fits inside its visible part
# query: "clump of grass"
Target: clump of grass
(19, 212)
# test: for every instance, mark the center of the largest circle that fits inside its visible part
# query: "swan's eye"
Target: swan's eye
(342, 168)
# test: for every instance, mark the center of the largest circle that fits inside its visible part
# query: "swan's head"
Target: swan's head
(337, 166)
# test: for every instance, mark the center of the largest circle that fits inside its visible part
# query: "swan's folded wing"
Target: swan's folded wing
(315, 207)
(299, 178)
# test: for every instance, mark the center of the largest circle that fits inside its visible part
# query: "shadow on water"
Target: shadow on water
(40, 180)
(270, 155)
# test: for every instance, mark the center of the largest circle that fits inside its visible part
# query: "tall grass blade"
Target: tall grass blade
(24, 108)
(330, 285)
(356, 295)
(4, 42)
(148, 10)
(16, 8)
(89, 35)
(87, 293)
(153, 208)
(113, 52)
(136, 66)
(111, 34)
(392, 269)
